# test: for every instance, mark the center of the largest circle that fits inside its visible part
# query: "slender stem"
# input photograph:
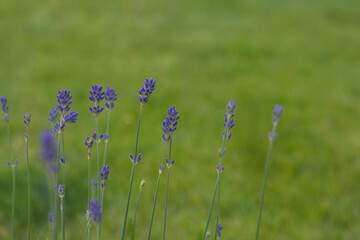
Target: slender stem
(156, 193)
(63, 180)
(89, 182)
(28, 179)
(89, 233)
(13, 203)
(132, 173)
(62, 218)
(9, 140)
(218, 206)
(135, 210)
(102, 205)
(211, 207)
(265, 180)
(167, 190)
(54, 237)
(107, 132)
(98, 156)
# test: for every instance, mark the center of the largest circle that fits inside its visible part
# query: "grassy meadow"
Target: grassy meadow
(302, 54)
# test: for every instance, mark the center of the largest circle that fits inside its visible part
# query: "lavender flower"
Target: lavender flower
(71, 117)
(61, 190)
(53, 114)
(96, 110)
(96, 95)
(52, 218)
(218, 166)
(161, 168)
(169, 164)
(5, 108)
(277, 112)
(27, 119)
(110, 97)
(138, 158)
(95, 208)
(170, 123)
(219, 228)
(104, 173)
(146, 90)
(14, 164)
(64, 100)
(89, 142)
(95, 137)
(48, 150)
(228, 118)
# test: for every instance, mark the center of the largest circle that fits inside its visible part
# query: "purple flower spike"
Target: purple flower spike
(59, 126)
(61, 190)
(110, 97)
(228, 119)
(96, 110)
(71, 117)
(277, 112)
(5, 108)
(104, 174)
(89, 142)
(64, 100)
(95, 209)
(138, 158)
(96, 94)
(219, 228)
(53, 113)
(170, 123)
(27, 119)
(48, 150)
(146, 90)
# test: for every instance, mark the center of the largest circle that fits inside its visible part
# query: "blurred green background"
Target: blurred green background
(302, 54)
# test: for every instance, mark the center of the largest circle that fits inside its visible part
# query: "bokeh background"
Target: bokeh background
(302, 54)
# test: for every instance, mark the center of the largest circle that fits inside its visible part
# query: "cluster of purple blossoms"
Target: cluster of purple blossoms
(27, 119)
(104, 174)
(228, 118)
(53, 114)
(61, 190)
(170, 123)
(89, 142)
(95, 137)
(5, 108)
(48, 150)
(64, 100)
(277, 112)
(138, 158)
(96, 96)
(110, 97)
(146, 90)
(218, 166)
(95, 208)
(219, 228)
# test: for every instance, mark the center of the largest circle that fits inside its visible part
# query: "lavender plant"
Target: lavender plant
(144, 93)
(27, 122)
(277, 112)
(5, 110)
(169, 127)
(228, 125)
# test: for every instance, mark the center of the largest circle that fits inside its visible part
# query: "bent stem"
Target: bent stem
(132, 174)
(265, 180)
(28, 180)
(156, 193)
(167, 190)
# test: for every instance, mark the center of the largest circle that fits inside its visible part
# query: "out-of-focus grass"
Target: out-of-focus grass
(302, 54)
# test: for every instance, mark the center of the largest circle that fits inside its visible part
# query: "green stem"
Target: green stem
(98, 156)
(54, 237)
(167, 190)
(62, 218)
(156, 193)
(28, 180)
(13, 204)
(218, 205)
(217, 184)
(9, 140)
(89, 189)
(107, 132)
(63, 180)
(264, 183)
(102, 205)
(132, 173)
(135, 210)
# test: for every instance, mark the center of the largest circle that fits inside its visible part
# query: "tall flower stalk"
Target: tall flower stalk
(169, 127)
(228, 124)
(142, 185)
(277, 112)
(110, 97)
(27, 122)
(89, 143)
(5, 110)
(61, 193)
(66, 116)
(144, 93)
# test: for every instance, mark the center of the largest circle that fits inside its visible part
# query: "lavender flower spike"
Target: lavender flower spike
(96, 94)
(277, 112)
(27, 119)
(219, 228)
(110, 97)
(146, 90)
(104, 174)
(89, 142)
(64, 100)
(170, 123)
(5, 108)
(95, 209)
(71, 117)
(61, 190)
(228, 118)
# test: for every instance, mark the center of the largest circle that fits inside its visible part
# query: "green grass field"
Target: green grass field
(302, 54)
